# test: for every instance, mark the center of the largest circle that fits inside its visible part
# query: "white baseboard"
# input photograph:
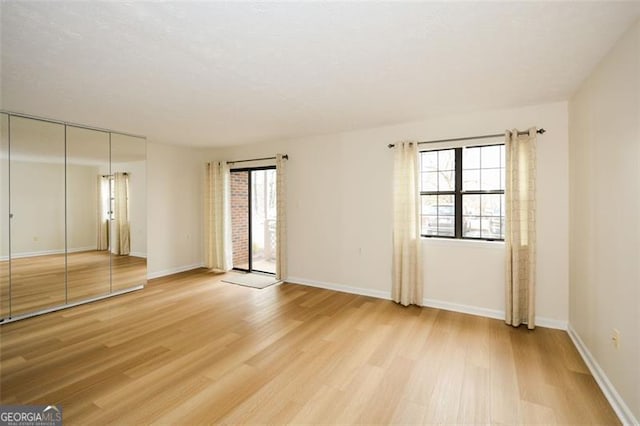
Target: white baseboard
(617, 403)
(465, 309)
(61, 251)
(552, 323)
(489, 313)
(79, 249)
(378, 294)
(432, 303)
(171, 271)
(36, 253)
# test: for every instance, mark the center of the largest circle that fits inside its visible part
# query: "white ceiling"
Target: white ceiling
(222, 73)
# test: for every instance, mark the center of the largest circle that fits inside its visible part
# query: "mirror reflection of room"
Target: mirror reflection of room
(73, 214)
(127, 211)
(88, 262)
(37, 216)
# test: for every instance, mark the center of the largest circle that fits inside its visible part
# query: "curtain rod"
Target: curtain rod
(285, 156)
(469, 138)
(110, 176)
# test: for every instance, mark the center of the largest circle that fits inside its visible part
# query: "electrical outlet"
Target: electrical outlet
(615, 338)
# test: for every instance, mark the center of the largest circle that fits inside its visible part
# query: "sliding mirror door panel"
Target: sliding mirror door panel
(128, 224)
(88, 209)
(4, 217)
(37, 223)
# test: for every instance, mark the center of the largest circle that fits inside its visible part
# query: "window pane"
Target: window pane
(446, 205)
(490, 204)
(429, 161)
(490, 156)
(503, 207)
(471, 205)
(446, 181)
(429, 204)
(490, 227)
(430, 225)
(502, 183)
(429, 181)
(471, 226)
(447, 159)
(446, 226)
(471, 158)
(502, 158)
(490, 179)
(470, 180)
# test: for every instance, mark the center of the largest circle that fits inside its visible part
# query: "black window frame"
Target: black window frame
(458, 194)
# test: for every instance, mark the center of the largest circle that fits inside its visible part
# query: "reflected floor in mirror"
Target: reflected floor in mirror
(38, 282)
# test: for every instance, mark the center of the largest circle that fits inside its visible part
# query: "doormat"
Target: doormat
(252, 280)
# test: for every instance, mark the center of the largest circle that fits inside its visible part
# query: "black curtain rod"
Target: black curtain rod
(110, 176)
(469, 138)
(285, 156)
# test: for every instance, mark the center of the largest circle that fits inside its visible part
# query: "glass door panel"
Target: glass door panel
(239, 182)
(253, 219)
(263, 220)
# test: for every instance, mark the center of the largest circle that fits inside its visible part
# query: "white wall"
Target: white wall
(175, 176)
(605, 212)
(38, 205)
(340, 214)
(82, 202)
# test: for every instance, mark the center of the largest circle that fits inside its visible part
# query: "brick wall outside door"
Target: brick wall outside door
(240, 218)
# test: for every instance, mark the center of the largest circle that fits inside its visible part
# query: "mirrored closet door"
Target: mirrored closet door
(37, 214)
(73, 215)
(5, 308)
(128, 231)
(88, 260)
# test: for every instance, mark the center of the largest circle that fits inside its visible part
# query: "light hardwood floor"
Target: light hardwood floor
(191, 349)
(39, 282)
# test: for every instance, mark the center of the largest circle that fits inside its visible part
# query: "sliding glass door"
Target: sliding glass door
(253, 219)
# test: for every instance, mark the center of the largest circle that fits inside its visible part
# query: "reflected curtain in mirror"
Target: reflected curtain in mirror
(121, 224)
(104, 210)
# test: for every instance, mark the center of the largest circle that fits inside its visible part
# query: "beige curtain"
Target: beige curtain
(281, 217)
(407, 258)
(121, 232)
(218, 245)
(103, 208)
(520, 233)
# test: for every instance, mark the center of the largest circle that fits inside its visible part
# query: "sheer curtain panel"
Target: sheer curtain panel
(407, 257)
(281, 217)
(122, 226)
(218, 246)
(520, 233)
(104, 206)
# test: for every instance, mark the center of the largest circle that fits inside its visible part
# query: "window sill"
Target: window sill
(456, 242)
